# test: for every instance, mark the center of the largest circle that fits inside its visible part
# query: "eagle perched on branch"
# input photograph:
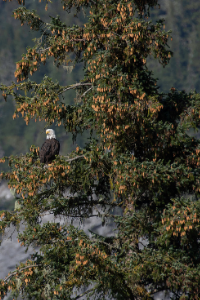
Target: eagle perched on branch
(50, 148)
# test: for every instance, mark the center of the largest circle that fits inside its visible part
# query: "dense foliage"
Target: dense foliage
(182, 72)
(139, 158)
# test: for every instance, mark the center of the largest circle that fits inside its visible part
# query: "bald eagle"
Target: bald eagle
(50, 148)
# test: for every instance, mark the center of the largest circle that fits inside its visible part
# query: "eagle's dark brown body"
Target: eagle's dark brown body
(49, 150)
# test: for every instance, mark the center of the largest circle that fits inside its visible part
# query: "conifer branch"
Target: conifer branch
(27, 267)
(86, 92)
(74, 86)
(71, 159)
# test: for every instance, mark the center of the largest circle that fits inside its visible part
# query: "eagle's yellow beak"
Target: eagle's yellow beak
(47, 131)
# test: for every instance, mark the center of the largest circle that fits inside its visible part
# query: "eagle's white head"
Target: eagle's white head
(50, 134)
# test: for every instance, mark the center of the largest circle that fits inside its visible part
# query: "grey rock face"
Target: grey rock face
(5, 194)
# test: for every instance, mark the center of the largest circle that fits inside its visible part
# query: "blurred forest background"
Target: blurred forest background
(183, 72)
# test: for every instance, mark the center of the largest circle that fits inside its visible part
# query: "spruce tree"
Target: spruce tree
(139, 159)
